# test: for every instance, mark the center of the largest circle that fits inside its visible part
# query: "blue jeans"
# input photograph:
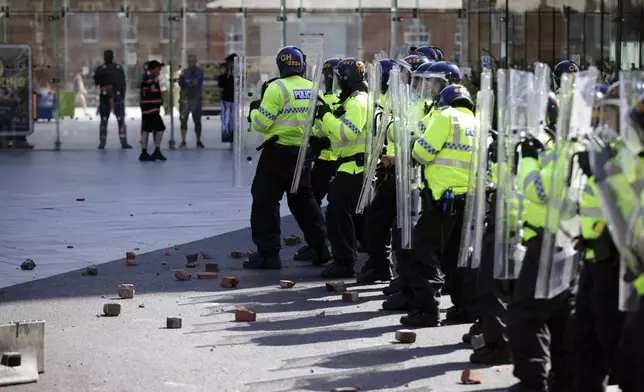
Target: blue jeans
(227, 121)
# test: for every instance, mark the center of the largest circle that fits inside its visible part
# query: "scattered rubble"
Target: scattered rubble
(182, 275)
(112, 309)
(211, 267)
(92, 270)
(322, 314)
(205, 255)
(28, 265)
(206, 275)
(130, 258)
(292, 240)
(471, 377)
(336, 286)
(350, 296)
(229, 282)
(405, 336)
(173, 322)
(286, 284)
(236, 254)
(167, 252)
(245, 315)
(126, 291)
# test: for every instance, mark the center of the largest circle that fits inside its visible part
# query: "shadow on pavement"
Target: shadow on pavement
(154, 273)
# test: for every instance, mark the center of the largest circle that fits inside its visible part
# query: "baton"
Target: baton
(268, 142)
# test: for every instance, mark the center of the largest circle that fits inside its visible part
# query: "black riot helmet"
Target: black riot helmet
(351, 75)
(328, 73)
(386, 66)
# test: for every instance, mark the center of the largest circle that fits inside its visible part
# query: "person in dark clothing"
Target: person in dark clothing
(151, 121)
(110, 77)
(227, 85)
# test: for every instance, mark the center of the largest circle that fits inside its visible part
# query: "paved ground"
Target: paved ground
(187, 201)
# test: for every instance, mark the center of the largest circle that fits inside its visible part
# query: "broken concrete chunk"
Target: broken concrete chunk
(130, 258)
(126, 291)
(80, 199)
(336, 286)
(205, 255)
(229, 282)
(351, 296)
(92, 270)
(322, 314)
(405, 336)
(245, 315)
(211, 267)
(173, 322)
(167, 252)
(112, 309)
(206, 275)
(292, 240)
(471, 377)
(345, 389)
(286, 284)
(28, 265)
(236, 254)
(70, 247)
(182, 275)
(11, 359)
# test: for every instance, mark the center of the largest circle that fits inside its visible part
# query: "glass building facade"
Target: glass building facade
(68, 37)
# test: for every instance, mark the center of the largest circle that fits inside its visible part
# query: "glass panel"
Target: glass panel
(41, 29)
(533, 32)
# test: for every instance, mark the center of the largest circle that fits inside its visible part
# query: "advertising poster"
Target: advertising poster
(16, 99)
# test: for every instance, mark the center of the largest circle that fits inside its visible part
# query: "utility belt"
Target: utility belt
(448, 202)
(357, 158)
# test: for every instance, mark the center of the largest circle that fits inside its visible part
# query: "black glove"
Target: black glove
(492, 151)
(255, 104)
(584, 163)
(530, 148)
(321, 111)
(319, 143)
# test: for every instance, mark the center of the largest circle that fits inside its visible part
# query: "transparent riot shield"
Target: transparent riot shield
(513, 107)
(477, 182)
(373, 141)
(567, 182)
(250, 76)
(308, 127)
(402, 98)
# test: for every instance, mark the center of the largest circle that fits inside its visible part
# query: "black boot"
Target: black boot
(419, 318)
(475, 329)
(368, 274)
(491, 356)
(395, 286)
(338, 270)
(321, 256)
(397, 302)
(303, 254)
(157, 155)
(145, 157)
(260, 260)
(459, 316)
(125, 145)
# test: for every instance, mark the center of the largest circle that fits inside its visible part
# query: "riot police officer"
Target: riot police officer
(281, 117)
(346, 130)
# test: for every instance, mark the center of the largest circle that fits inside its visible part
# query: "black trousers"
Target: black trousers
(492, 297)
(435, 243)
(379, 218)
(631, 351)
(273, 177)
(341, 218)
(596, 324)
(321, 175)
(538, 328)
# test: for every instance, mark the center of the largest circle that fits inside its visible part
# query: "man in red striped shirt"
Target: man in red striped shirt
(151, 121)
